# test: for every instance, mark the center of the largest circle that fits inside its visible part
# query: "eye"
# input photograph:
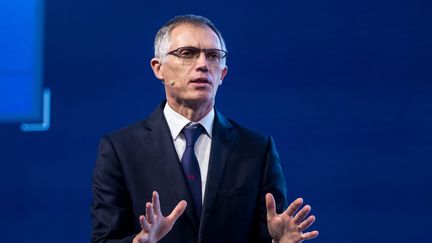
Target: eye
(214, 54)
(187, 52)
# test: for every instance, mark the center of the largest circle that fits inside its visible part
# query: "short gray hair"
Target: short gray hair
(162, 41)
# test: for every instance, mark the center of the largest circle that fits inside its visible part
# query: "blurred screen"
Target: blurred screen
(20, 60)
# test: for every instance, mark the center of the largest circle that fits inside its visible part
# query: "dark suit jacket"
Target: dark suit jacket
(137, 160)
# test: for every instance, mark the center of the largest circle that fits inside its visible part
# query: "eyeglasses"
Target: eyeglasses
(189, 54)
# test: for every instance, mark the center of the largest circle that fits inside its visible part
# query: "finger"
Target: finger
(294, 206)
(309, 235)
(150, 213)
(144, 224)
(156, 203)
(177, 211)
(270, 205)
(307, 223)
(302, 214)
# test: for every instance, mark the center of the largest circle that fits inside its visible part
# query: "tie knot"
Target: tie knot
(192, 133)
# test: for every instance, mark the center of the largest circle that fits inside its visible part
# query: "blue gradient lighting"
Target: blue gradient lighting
(21, 25)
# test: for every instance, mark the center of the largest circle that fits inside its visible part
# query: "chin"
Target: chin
(203, 94)
(200, 99)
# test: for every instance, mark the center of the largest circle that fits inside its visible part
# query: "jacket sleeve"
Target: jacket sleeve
(272, 181)
(111, 209)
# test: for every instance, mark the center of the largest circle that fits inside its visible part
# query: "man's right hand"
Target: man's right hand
(154, 226)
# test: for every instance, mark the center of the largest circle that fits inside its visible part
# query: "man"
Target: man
(216, 181)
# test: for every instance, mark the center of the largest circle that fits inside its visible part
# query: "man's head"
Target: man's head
(190, 58)
(162, 39)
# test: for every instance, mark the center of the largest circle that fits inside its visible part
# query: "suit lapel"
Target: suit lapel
(222, 142)
(161, 139)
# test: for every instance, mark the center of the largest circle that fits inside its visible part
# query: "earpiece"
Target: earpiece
(171, 82)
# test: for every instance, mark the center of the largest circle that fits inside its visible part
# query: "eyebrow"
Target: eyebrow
(197, 47)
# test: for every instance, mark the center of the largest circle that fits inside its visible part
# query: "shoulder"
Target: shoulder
(128, 130)
(248, 132)
(139, 129)
(244, 135)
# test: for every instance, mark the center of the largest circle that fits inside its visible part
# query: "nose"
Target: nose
(201, 63)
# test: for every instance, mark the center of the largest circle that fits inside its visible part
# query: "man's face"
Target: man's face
(196, 82)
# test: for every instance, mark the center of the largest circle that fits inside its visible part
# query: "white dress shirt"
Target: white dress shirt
(176, 122)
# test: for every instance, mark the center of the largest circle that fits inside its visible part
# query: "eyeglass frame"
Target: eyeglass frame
(193, 59)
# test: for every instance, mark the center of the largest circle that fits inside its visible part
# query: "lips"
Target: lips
(202, 80)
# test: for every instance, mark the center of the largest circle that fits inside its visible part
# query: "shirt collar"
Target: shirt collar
(176, 122)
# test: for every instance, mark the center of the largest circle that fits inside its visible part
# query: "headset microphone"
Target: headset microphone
(171, 82)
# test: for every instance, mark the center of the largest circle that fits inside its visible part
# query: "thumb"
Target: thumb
(178, 211)
(271, 206)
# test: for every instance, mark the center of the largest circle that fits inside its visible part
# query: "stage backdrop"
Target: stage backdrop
(344, 87)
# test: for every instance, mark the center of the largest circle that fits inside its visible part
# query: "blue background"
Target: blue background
(20, 60)
(344, 87)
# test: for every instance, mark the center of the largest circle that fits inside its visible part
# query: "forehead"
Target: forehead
(200, 36)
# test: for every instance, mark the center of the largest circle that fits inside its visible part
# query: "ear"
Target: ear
(156, 65)
(224, 73)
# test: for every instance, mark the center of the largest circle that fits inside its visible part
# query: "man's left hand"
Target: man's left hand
(288, 226)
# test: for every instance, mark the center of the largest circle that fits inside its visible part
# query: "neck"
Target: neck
(193, 112)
